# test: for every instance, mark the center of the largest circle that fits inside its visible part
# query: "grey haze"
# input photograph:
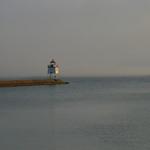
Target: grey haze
(86, 37)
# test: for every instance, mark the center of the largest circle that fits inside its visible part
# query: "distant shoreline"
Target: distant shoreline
(15, 83)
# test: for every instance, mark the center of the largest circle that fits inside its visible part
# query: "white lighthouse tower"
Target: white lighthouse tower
(53, 69)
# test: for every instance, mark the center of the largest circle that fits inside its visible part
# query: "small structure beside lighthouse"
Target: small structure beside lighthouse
(53, 69)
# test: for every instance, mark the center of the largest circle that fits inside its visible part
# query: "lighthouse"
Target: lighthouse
(53, 69)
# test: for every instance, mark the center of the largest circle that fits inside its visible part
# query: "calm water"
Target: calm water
(88, 114)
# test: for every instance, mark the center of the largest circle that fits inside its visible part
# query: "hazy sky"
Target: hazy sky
(86, 37)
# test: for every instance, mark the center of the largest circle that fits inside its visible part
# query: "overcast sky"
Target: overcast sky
(86, 37)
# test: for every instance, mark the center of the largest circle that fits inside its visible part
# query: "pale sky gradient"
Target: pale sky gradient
(86, 37)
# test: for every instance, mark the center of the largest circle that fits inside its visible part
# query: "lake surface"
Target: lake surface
(111, 113)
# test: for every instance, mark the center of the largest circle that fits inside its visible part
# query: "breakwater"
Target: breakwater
(14, 83)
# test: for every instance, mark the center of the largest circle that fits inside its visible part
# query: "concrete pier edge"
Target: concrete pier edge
(15, 83)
